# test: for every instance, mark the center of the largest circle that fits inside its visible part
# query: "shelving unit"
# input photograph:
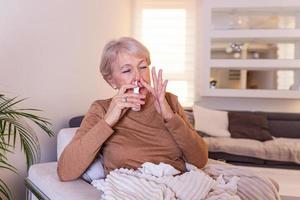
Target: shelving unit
(239, 10)
(281, 35)
(255, 63)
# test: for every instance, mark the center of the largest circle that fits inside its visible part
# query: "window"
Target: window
(285, 79)
(167, 29)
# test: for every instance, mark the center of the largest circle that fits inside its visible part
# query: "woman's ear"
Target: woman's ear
(111, 82)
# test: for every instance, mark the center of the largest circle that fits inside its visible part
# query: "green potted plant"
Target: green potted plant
(16, 123)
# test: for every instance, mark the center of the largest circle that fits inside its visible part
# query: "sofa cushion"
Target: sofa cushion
(95, 170)
(211, 122)
(44, 177)
(283, 149)
(75, 121)
(279, 149)
(249, 125)
(63, 139)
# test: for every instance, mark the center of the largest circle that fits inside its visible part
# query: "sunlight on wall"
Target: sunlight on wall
(163, 32)
(180, 87)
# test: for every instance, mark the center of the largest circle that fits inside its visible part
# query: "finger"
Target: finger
(147, 86)
(159, 81)
(135, 100)
(123, 105)
(162, 92)
(134, 95)
(123, 88)
(132, 98)
(165, 87)
(154, 78)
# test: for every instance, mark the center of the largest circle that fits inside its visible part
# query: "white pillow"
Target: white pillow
(64, 137)
(95, 171)
(211, 122)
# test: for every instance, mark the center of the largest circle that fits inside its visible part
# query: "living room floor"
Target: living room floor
(288, 180)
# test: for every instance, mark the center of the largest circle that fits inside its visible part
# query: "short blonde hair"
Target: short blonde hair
(113, 48)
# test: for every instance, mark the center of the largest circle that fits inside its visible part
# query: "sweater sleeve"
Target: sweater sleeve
(85, 145)
(192, 145)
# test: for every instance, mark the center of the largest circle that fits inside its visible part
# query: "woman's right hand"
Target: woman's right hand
(120, 101)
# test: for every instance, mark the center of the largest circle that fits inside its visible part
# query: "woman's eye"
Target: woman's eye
(143, 67)
(126, 71)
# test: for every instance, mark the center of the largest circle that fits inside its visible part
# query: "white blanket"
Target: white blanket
(163, 182)
(251, 185)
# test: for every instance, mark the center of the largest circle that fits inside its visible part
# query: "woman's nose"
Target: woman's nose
(137, 75)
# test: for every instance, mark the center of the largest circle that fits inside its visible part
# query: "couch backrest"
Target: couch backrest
(63, 138)
(75, 121)
(281, 124)
(284, 124)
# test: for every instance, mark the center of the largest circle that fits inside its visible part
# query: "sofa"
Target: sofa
(43, 182)
(282, 150)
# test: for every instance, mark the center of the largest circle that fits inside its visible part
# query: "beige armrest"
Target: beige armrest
(63, 139)
(44, 178)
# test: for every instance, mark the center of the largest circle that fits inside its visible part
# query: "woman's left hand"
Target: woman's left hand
(158, 91)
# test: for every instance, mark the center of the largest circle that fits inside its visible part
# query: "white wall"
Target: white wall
(50, 52)
(252, 104)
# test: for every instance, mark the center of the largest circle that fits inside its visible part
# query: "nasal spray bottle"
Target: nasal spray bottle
(136, 91)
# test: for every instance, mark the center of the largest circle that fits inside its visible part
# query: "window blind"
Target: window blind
(167, 28)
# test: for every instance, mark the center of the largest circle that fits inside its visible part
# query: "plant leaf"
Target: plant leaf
(13, 124)
(5, 193)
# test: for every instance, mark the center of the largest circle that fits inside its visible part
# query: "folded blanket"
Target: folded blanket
(164, 182)
(251, 185)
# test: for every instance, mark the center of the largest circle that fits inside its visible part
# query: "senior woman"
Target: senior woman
(158, 132)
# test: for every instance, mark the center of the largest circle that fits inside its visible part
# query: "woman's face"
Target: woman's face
(127, 69)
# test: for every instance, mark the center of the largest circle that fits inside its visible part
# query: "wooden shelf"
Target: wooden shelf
(255, 63)
(271, 4)
(247, 35)
(253, 93)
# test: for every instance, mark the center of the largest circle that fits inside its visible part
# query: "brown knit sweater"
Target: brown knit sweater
(138, 137)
